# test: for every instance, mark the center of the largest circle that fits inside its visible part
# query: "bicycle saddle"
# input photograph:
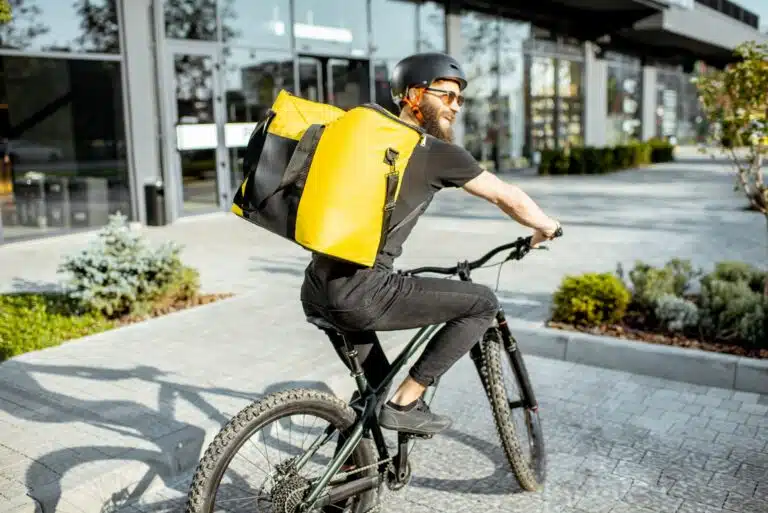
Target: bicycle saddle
(322, 323)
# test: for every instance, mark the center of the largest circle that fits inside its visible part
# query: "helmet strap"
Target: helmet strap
(414, 106)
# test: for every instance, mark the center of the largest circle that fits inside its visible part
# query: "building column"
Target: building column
(454, 45)
(141, 113)
(595, 97)
(648, 107)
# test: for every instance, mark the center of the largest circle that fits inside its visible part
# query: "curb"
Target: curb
(667, 362)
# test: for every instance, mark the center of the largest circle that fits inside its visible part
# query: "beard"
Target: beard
(432, 125)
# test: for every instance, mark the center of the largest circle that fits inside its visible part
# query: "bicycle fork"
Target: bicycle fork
(528, 398)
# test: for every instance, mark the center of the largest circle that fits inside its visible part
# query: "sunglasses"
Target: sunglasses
(448, 97)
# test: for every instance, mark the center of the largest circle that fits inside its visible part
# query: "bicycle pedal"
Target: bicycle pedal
(417, 435)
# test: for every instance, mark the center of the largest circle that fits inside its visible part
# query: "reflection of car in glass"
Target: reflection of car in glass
(21, 150)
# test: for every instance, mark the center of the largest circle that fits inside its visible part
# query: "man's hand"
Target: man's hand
(540, 236)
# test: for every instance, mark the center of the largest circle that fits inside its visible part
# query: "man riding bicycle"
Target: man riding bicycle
(360, 301)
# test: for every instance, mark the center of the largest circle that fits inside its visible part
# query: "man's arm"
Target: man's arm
(512, 200)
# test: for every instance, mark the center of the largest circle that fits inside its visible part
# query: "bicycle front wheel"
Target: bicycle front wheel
(527, 457)
(263, 429)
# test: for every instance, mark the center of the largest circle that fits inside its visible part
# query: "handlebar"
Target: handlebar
(520, 248)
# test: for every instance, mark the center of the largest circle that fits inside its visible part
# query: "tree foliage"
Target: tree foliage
(735, 100)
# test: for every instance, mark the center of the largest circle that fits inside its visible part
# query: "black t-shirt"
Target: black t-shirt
(432, 167)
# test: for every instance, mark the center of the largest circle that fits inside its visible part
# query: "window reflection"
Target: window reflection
(432, 27)
(624, 99)
(334, 27)
(668, 104)
(63, 26)
(195, 19)
(512, 92)
(394, 27)
(541, 102)
(570, 106)
(63, 145)
(260, 24)
(480, 35)
(253, 80)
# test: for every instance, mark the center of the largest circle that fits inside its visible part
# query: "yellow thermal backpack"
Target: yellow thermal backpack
(325, 178)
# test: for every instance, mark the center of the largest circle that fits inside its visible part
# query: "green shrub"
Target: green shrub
(590, 300)
(641, 154)
(545, 162)
(661, 150)
(577, 164)
(593, 162)
(732, 312)
(733, 307)
(30, 322)
(735, 272)
(120, 274)
(676, 313)
(651, 283)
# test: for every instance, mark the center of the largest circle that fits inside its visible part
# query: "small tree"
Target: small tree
(735, 101)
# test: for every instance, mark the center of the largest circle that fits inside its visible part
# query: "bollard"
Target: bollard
(154, 196)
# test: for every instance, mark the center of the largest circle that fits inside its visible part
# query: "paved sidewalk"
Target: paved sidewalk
(125, 414)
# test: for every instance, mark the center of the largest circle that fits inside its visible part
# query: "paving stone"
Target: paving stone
(692, 506)
(698, 492)
(653, 498)
(761, 492)
(640, 473)
(744, 504)
(722, 465)
(723, 426)
(626, 453)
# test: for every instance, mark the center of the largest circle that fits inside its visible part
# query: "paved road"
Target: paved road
(617, 443)
(74, 418)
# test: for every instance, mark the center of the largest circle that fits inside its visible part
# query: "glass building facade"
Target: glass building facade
(62, 118)
(100, 97)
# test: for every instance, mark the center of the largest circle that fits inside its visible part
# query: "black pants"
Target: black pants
(373, 300)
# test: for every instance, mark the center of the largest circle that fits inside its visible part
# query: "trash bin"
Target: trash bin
(154, 196)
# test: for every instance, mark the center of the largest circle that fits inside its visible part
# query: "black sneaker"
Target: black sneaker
(418, 420)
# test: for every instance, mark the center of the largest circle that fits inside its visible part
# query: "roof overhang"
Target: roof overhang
(683, 34)
(587, 20)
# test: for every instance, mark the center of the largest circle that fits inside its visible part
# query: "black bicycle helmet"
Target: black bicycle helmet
(422, 69)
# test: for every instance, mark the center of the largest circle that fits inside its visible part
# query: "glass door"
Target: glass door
(344, 83)
(200, 161)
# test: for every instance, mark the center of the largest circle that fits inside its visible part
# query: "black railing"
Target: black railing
(734, 11)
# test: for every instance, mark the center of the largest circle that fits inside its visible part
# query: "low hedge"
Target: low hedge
(593, 160)
(34, 321)
(729, 306)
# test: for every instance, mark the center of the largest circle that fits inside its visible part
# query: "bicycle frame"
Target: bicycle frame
(369, 401)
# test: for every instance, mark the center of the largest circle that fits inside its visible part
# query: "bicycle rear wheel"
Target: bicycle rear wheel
(527, 457)
(209, 492)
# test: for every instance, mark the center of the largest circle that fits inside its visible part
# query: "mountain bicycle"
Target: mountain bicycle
(351, 477)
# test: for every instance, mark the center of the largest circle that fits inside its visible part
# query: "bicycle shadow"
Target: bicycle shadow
(179, 444)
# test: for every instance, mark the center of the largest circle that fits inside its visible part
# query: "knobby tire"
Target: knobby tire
(530, 477)
(258, 414)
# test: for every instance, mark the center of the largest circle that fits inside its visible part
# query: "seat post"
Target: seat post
(350, 351)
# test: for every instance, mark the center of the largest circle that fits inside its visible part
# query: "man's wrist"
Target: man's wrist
(551, 228)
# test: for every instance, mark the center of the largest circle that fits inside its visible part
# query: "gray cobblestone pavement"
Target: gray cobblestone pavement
(74, 417)
(616, 443)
